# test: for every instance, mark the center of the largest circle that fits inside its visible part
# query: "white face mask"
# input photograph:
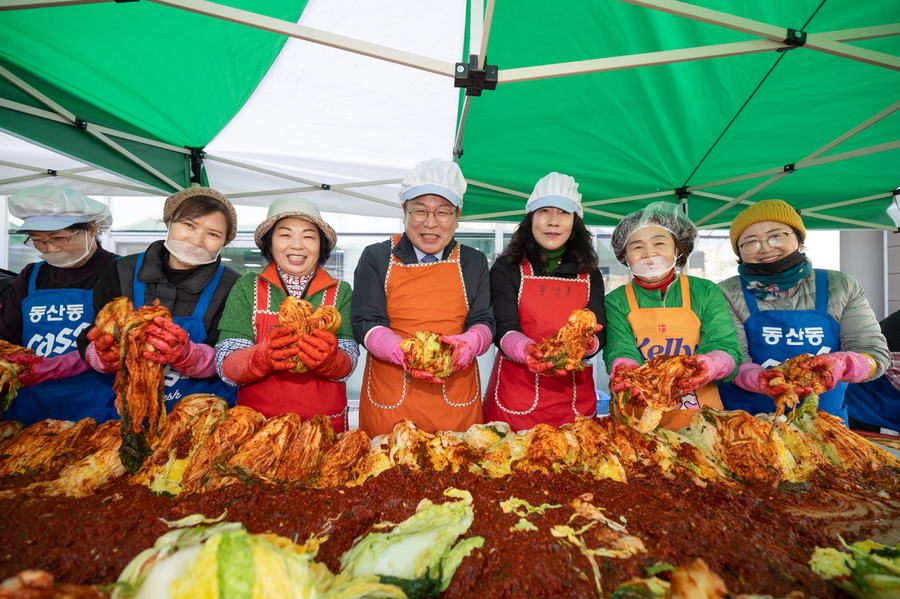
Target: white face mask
(651, 268)
(189, 253)
(65, 259)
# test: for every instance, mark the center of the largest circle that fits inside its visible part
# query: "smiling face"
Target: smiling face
(295, 245)
(651, 250)
(430, 236)
(206, 233)
(552, 227)
(762, 232)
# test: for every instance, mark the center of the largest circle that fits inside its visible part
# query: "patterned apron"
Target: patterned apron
(177, 384)
(281, 391)
(51, 321)
(430, 297)
(774, 336)
(518, 396)
(671, 332)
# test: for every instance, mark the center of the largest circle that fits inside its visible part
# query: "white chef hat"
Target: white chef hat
(436, 176)
(557, 191)
(50, 208)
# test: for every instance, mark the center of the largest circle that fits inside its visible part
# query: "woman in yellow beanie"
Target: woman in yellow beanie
(783, 307)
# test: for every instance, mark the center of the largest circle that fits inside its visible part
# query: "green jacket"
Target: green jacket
(237, 319)
(707, 302)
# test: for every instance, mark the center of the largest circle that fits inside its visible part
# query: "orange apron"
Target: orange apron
(421, 297)
(671, 332)
(306, 393)
(518, 396)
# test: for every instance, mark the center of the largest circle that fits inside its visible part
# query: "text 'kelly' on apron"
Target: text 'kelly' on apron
(306, 394)
(774, 336)
(671, 332)
(177, 385)
(522, 398)
(421, 297)
(51, 321)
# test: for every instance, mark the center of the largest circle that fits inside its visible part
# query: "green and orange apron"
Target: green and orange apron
(522, 398)
(281, 391)
(671, 332)
(421, 296)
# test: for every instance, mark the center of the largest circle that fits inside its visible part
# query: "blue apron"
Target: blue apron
(51, 321)
(177, 384)
(774, 336)
(876, 402)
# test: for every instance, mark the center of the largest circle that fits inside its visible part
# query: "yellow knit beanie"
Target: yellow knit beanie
(774, 210)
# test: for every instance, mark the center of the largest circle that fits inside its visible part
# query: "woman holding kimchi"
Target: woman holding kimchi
(185, 273)
(783, 308)
(548, 270)
(49, 304)
(257, 354)
(663, 313)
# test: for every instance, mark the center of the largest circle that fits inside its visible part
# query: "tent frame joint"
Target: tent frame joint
(789, 168)
(81, 124)
(51, 172)
(197, 156)
(326, 186)
(795, 39)
(472, 78)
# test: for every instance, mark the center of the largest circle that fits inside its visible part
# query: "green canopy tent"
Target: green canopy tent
(717, 103)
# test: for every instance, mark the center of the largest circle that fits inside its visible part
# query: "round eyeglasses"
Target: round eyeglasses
(441, 216)
(774, 241)
(60, 242)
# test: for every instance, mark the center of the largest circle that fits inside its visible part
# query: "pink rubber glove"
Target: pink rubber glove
(754, 378)
(619, 367)
(92, 357)
(468, 346)
(522, 348)
(839, 366)
(384, 344)
(170, 341)
(106, 357)
(46, 369)
(712, 366)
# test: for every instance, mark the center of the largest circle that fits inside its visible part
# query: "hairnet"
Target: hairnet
(50, 208)
(658, 214)
(557, 191)
(435, 176)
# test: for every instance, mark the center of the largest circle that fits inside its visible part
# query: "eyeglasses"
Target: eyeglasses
(60, 242)
(441, 216)
(775, 241)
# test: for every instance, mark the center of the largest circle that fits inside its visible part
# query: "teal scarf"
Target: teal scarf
(766, 286)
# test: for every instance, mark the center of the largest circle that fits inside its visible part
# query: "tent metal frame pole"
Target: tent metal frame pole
(847, 221)
(316, 36)
(815, 158)
(820, 42)
(70, 173)
(51, 116)
(877, 196)
(22, 4)
(632, 61)
(479, 26)
(862, 33)
(87, 127)
(643, 196)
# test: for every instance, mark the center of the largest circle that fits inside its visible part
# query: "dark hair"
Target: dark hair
(524, 245)
(198, 206)
(683, 258)
(325, 248)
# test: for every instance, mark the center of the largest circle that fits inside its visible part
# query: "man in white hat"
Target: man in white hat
(423, 280)
(49, 304)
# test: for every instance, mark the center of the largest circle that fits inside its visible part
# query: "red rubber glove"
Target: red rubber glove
(711, 366)
(170, 341)
(468, 346)
(773, 391)
(616, 384)
(107, 350)
(320, 353)
(250, 364)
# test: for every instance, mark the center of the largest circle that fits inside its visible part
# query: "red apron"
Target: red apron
(429, 297)
(671, 332)
(518, 396)
(305, 394)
